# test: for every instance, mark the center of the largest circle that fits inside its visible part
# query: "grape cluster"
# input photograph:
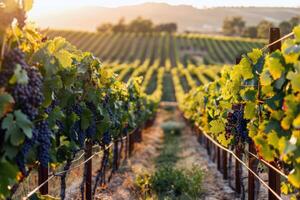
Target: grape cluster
(44, 140)
(77, 134)
(106, 139)
(236, 124)
(28, 97)
(92, 129)
(10, 61)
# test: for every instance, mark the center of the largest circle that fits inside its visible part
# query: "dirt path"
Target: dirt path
(143, 160)
(194, 154)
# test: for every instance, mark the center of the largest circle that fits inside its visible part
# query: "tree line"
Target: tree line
(236, 26)
(138, 25)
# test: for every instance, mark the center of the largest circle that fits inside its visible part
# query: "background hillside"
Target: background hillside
(187, 17)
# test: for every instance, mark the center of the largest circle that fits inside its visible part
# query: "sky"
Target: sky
(43, 6)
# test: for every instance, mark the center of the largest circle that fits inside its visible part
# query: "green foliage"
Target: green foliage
(233, 25)
(70, 78)
(170, 183)
(267, 84)
(172, 127)
(137, 25)
(263, 29)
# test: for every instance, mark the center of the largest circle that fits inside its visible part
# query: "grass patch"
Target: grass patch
(171, 146)
(170, 183)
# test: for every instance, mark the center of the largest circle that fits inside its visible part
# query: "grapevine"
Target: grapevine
(55, 98)
(256, 100)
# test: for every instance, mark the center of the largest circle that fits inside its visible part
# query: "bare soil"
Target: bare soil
(143, 160)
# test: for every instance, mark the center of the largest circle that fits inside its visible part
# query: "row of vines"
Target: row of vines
(54, 99)
(256, 101)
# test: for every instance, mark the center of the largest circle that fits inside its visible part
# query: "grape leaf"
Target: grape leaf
(295, 80)
(23, 123)
(294, 176)
(250, 110)
(16, 136)
(296, 122)
(264, 148)
(20, 76)
(255, 55)
(217, 126)
(246, 69)
(86, 118)
(296, 31)
(8, 174)
(64, 58)
(275, 67)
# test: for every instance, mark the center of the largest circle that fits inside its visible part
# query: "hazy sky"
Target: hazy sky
(42, 6)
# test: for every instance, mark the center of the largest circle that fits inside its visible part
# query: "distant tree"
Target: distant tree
(105, 27)
(140, 25)
(294, 21)
(263, 29)
(228, 28)
(250, 31)
(233, 25)
(167, 27)
(285, 27)
(120, 26)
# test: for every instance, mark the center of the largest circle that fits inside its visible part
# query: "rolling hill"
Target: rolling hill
(187, 17)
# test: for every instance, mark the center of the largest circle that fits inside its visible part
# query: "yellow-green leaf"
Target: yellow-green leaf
(255, 55)
(294, 177)
(250, 110)
(275, 67)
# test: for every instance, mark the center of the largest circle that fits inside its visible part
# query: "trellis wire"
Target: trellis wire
(55, 174)
(240, 161)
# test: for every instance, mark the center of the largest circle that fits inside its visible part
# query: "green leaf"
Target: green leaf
(294, 177)
(8, 175)
(273, 139)
(64, 58)
(16, 136)
(217, 126)
(296, 31)
(265, 78)
(20, 76)
(246, 69)
(24, 123)
(296, 122)
(248, 94)
(295, 80)
(55, 115)
(264, 149)
(7, 121)
(86, 118)
(275, 67)
(250, 110)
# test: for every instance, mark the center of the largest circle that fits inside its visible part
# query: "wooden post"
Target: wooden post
(274, 177)
(207, 146)
(88, 180)
(42, 177)
(238, 172)
(218, 158)
(274, 35)
(251, 178)
(238, 154)
(225, 170)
